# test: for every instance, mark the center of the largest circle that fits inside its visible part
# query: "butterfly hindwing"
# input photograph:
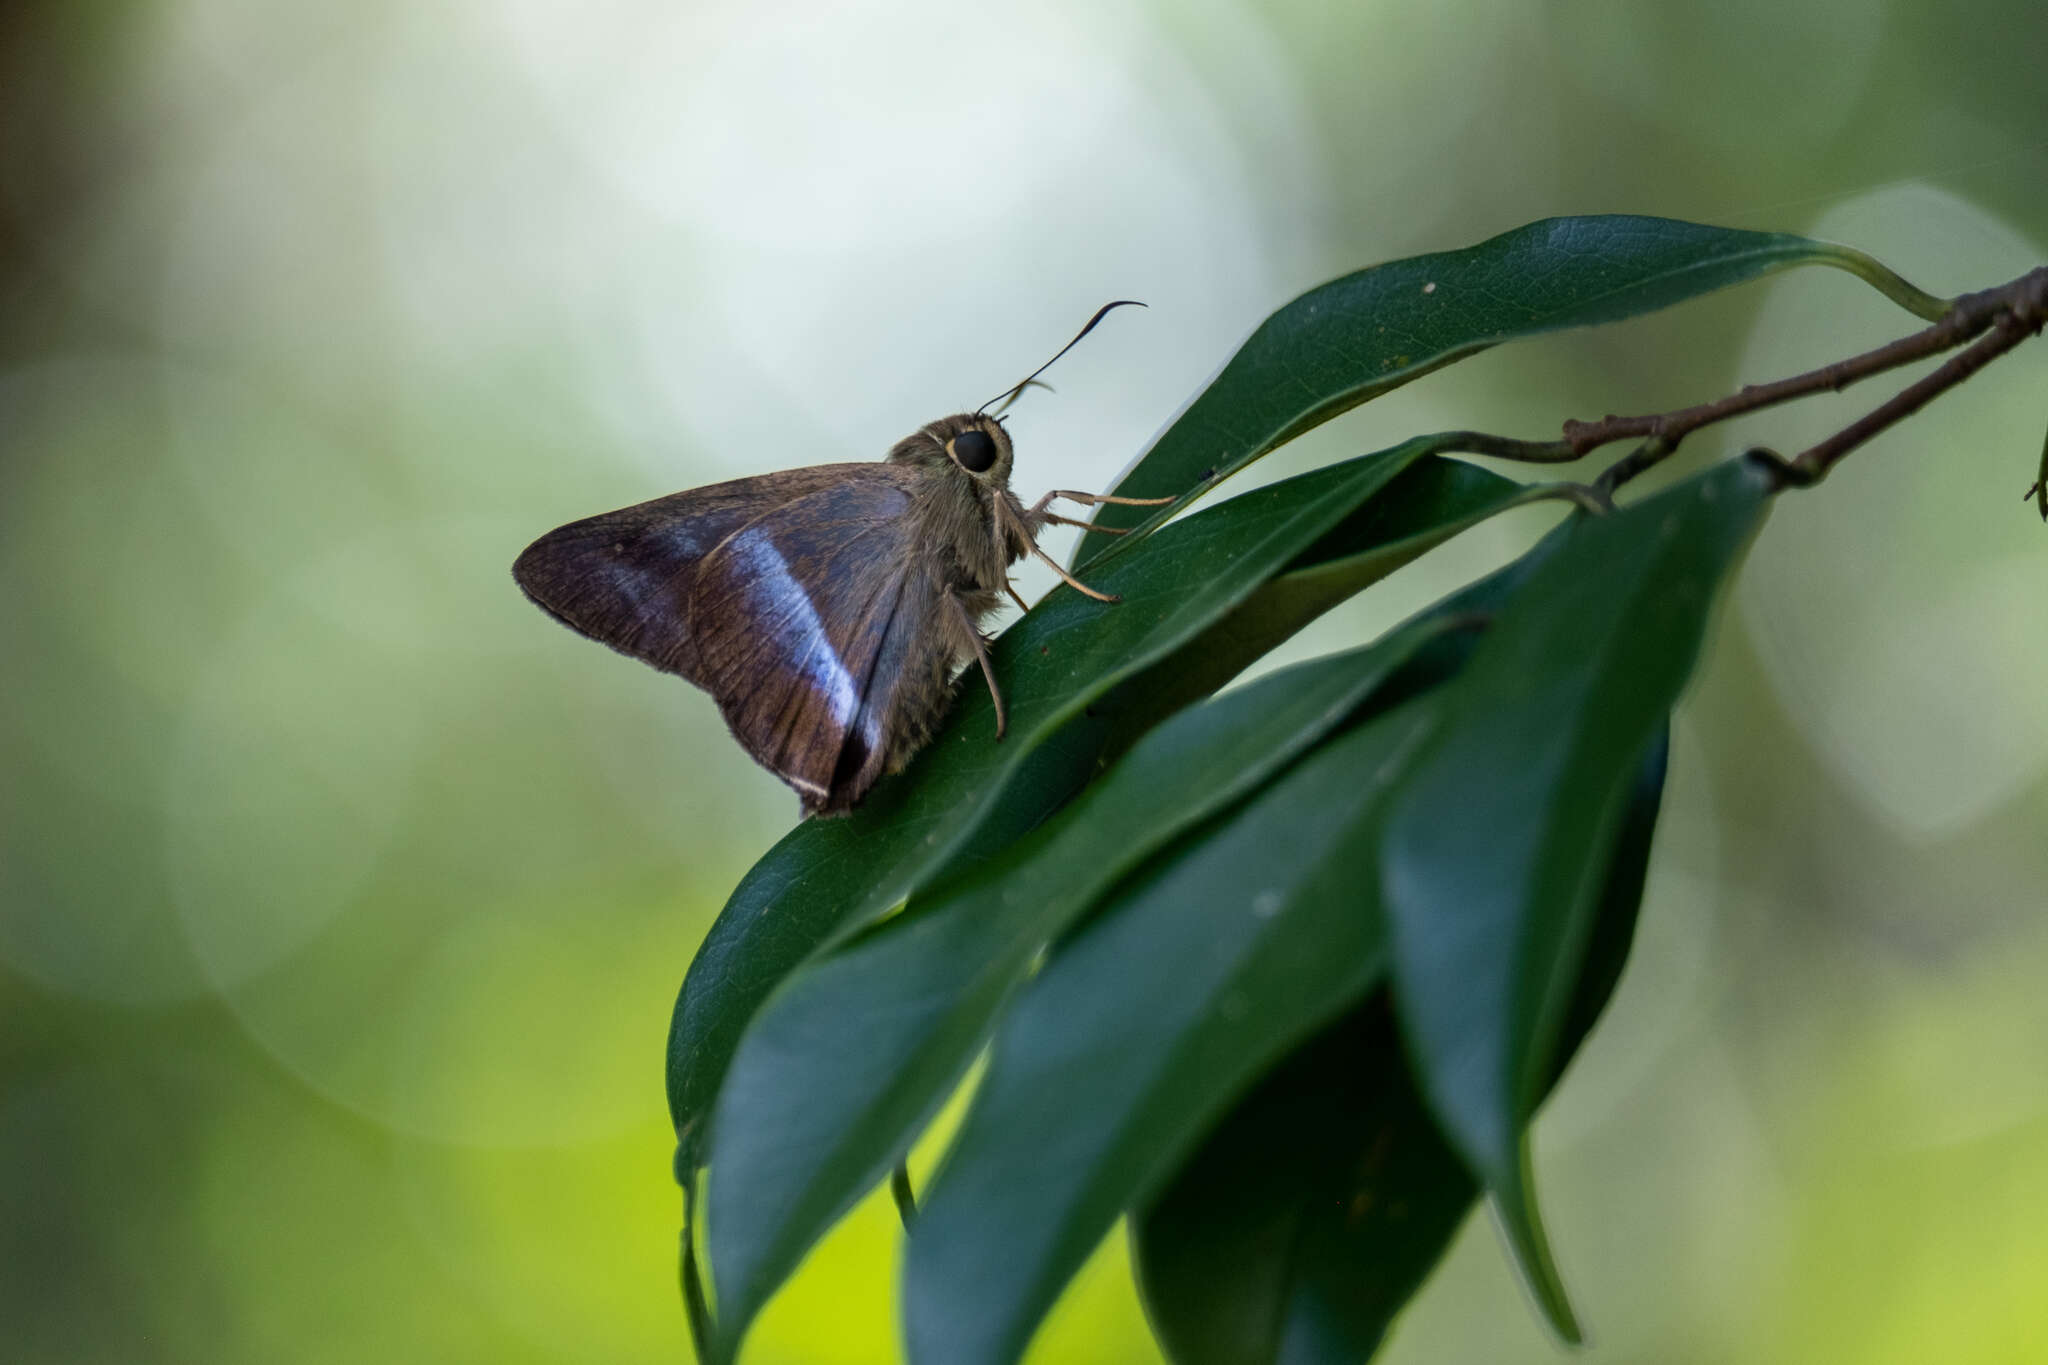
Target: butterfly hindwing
(809, 621)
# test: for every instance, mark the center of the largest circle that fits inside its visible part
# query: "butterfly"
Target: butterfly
(826, 609)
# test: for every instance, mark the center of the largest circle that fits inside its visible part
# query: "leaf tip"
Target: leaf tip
(1514, 1205)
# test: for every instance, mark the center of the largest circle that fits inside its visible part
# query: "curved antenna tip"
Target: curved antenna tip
(1011, 394)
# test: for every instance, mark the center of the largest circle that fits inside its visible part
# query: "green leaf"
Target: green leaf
(950, 810)
(1357, 337)
(1083, 680)
(1308, 1218)
(1313, 1212)
(1212, 961)
(1495, 849)
(848, 1061)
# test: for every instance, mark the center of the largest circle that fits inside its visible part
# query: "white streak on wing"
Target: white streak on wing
(812, 653)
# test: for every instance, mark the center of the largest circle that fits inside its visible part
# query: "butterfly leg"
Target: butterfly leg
(1076, 584)
(988, 672)
(1037, 515)
(1015, 596)
(1027, 537)
(1054, 519)
(1094, 500)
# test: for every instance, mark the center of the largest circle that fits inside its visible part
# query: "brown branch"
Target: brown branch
(2010, 313)
(1969, 316)
(1635, 462)
(2008, 332)
(1506, 447)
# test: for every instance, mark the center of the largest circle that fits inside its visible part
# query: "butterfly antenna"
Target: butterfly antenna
(1000, 408)
(1010, 395)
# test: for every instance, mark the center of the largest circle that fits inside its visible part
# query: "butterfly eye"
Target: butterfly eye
(974, 451)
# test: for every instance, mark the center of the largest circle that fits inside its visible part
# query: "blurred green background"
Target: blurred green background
(343, 897)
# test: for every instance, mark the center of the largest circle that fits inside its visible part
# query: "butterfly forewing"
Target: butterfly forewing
(624, 578)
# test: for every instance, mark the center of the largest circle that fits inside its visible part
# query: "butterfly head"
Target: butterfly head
(970, 443)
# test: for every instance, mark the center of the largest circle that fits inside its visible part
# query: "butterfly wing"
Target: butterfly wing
(624, 578)
(812, 623)
(796, 599)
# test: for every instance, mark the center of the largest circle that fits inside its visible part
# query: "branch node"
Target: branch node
(1635, 462)
(1586, 497)
(1784, 473)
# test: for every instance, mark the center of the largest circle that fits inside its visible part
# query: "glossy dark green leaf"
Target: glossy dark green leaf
(849, 1060)
(1496, 848)
(1083, 680)
(1211, 962)
(1371, 331)
(1428, 504)
(1307, 1219)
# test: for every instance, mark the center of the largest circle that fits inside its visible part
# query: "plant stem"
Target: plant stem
(1889, 283)
(2009, 314)
(1814, 462)
(696, 1304)
(1505, 447)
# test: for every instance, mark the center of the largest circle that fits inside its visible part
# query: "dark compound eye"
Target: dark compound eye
(975, 450)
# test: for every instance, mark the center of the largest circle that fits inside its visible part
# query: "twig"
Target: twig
(1950, 331)
(1506, 447)
(1635, 462)
(2018, 307)
(1584, 496)
(2009, 331)
(2010, 313)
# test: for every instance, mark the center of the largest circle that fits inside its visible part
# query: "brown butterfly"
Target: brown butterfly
(824, 609)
